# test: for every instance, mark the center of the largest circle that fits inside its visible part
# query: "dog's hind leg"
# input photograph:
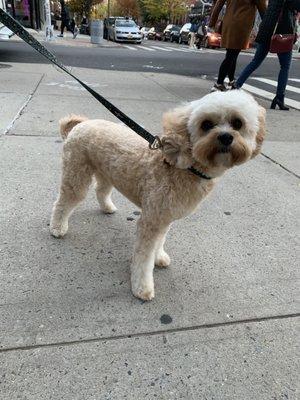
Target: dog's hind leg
(148, 237)
(103, 193)
(76, 179)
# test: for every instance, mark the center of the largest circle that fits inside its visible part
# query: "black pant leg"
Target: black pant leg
(232, 68)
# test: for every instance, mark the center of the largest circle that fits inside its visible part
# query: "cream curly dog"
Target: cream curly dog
(212, 134)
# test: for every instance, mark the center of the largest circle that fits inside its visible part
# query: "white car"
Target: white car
(124, 30)
(144, 32)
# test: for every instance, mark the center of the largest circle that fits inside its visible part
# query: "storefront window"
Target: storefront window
(22, 12)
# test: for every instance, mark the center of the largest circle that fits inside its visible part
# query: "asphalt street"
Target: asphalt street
(132, 57)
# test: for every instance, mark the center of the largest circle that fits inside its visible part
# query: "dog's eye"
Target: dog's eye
(236, 123)
(207, 125)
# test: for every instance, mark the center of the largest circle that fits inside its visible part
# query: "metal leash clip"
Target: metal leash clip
(156, 144)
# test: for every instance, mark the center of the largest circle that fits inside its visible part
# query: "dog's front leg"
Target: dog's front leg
(148, 235)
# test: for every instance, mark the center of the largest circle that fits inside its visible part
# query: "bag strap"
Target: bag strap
(279, 17)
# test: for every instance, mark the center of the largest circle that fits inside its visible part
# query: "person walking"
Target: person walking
(236, 29)
(201, 33)
(193, 31)
(65, 21)
(280, 18)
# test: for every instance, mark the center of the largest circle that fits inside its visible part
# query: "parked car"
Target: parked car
(184, 33)
(144, 31)
(166, 32)
(124, 30)
(154, 34)
(212, 39)
(174, 33)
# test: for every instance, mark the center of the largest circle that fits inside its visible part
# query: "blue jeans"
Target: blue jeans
(259, 56)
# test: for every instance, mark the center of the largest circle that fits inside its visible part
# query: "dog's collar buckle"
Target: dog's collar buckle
(156, 144)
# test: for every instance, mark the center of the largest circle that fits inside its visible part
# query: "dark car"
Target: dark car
(167, 32)
(154, 34)
(184, 34)
(174, 34)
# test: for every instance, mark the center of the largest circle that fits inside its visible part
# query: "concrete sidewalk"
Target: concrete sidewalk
(70, 328)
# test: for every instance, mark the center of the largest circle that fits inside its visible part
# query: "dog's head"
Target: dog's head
(219, 131)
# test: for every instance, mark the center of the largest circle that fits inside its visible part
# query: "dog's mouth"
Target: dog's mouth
(223, 150)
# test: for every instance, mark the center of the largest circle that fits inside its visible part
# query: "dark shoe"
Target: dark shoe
(218, 88)
(233, 86)
(279, 103)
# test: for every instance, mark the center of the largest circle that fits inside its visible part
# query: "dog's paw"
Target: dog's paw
(58, 232)
(142, 290)
(162, 260)
(109, 209)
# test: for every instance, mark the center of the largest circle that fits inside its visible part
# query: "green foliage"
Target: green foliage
(169, 10)
(126, 8)
(99, 11)
(83, 7)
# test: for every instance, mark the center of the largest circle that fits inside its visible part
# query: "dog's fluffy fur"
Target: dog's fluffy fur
(156, 181)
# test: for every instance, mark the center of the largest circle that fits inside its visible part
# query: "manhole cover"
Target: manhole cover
(5, 66)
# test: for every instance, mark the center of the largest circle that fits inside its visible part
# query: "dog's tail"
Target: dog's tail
(67, 123)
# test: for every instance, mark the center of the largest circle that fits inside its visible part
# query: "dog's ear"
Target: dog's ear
(177, 150)
(175, 140)
(261, 133)
(175, 121)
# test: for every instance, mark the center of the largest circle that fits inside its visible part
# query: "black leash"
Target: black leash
(17, 28)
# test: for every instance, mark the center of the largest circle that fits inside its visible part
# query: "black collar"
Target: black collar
(194, 171)
(199, 173)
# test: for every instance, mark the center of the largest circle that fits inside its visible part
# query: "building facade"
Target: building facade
(28, 12)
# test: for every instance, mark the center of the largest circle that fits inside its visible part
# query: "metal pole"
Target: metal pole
(48, 27)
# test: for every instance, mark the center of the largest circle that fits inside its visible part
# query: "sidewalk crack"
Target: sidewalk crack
(280, 165)
(22, 108)
(153, 333)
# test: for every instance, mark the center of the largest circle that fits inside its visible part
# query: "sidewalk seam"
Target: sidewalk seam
(22, 108)
(280, 165)
(158, 84)
(153, 333)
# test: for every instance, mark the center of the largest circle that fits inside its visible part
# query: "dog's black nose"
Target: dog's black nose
(225, 138)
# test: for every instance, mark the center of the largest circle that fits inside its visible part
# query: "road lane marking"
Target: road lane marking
(274, 83)
(129, 47)
(270, 96)
(175, 48)
(145, 48)
(160, 48)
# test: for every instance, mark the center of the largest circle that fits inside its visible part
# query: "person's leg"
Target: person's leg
(62, 27)
(225, 66)
(72, 25)
(192, 39)
(232, 68)
(285, 63)
(259, 56)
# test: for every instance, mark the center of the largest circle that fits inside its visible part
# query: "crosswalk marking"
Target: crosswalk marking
(274, 83)
(176, 49)
(160, 48)
(145, 48)
(252, 88)
(270, 96)
(129, 47)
